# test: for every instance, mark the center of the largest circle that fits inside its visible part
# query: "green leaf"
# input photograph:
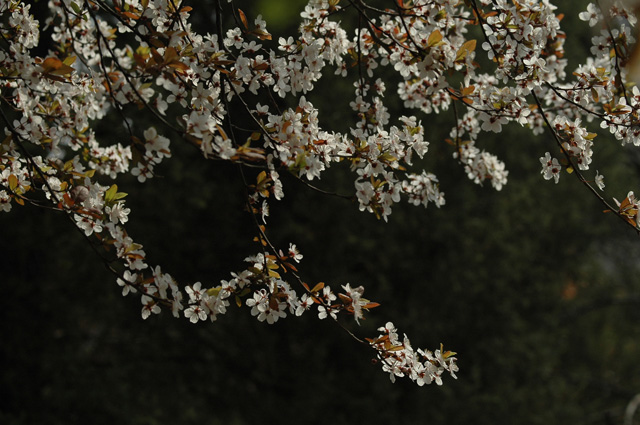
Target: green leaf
(255, 270)
(465, 49)
(75, 7)
(13, 182)
(69, 60)
(110, 194)
(434, 39)
(213, 292)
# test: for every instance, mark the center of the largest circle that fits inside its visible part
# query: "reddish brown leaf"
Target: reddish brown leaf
(243, 18)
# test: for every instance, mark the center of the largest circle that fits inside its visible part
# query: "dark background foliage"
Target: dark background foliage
(533, 286)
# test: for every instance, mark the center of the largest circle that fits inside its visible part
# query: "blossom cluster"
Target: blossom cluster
(399, 359)
(118, 60)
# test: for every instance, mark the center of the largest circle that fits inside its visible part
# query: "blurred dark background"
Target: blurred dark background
(534, 286)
